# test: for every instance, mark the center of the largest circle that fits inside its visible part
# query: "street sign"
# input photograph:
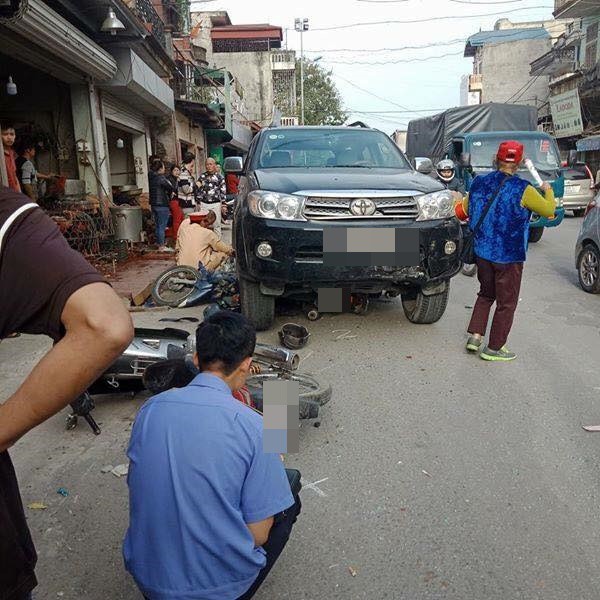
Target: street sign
(566, 114)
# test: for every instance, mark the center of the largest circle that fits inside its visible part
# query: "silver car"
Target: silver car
(579, 188)
(587, 251)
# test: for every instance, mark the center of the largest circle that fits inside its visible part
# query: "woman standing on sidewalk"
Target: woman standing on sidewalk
(160, 197)
(501, 245)
(177, 215)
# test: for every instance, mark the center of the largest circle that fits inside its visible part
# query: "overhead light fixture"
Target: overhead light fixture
(11, 87)
(120, 143)
(111, 24)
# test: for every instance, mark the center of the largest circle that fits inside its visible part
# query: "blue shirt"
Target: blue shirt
(197, 475)
(504, 232)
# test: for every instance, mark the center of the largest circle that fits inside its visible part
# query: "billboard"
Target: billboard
(566, 114)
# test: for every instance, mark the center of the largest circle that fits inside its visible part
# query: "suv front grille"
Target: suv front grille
(322, 207)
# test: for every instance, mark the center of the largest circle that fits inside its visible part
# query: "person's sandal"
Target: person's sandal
(474, 343)
(502, 355)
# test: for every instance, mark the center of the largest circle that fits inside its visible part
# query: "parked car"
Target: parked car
(303, 185)
(587, 250)
(579, 188)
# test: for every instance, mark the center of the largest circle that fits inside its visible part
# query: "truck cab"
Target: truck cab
(474, 153)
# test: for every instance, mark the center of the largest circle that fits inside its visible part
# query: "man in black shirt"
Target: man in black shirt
(46, 288)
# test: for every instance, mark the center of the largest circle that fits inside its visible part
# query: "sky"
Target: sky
(382, 82)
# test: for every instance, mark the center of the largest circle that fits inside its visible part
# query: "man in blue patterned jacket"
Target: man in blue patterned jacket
(501, 246)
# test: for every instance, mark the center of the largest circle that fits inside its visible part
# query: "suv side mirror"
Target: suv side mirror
(233, 164)
(572, 159)
(464, 160)
(423, 165)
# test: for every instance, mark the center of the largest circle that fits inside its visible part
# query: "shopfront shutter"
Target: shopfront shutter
(121, 113)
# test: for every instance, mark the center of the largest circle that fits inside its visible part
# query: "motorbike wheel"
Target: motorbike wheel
(174, 286)
(313, 394)
(468, 270)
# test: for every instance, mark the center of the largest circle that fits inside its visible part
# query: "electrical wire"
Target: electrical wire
(393, 62)
(398, 49)
(425, 20)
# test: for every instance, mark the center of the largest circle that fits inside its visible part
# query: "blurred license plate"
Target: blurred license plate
(574, 189)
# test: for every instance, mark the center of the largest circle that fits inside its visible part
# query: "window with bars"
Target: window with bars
(284, 91)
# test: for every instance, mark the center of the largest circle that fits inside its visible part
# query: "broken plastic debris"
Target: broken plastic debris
(37, 506)
(425, 473)
(106, 469)
(592, 427)
(352, 571)
(120, 470)
(64, 492)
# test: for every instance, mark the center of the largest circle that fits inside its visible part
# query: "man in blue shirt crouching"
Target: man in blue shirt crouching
(210, 512)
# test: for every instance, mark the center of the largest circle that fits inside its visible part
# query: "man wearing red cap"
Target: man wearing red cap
(500, 245)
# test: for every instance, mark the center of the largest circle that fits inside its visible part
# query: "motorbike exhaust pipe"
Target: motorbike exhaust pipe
(285, 358)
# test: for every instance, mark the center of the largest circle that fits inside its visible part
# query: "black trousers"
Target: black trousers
(278, 537)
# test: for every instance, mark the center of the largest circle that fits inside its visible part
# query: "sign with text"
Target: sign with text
(566, 114)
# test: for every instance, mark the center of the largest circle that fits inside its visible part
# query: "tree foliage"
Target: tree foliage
(322, 100)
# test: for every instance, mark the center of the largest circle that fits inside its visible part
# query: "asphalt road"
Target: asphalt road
(438, 475)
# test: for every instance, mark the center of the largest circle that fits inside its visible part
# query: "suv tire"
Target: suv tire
(578, 212)
(256, 307)
(535, 234)
(422, 309)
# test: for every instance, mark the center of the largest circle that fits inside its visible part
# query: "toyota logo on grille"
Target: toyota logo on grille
(363, 207)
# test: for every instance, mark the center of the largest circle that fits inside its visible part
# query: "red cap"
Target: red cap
(511, 152)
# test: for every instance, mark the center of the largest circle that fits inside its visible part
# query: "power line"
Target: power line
(392, 62)
(374, 95)
(426, 20)
(398, 49)
(388, 112)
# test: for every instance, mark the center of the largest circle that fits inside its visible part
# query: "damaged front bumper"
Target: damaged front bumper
(297, 261)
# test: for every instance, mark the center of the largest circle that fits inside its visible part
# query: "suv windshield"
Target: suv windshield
(541, 150)
(327, 148)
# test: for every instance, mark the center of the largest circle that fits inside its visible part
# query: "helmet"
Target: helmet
(445, 165)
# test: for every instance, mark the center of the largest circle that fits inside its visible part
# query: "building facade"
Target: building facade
(501, 58)
(572, 66)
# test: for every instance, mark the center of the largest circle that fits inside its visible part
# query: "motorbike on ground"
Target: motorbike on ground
(160, 359)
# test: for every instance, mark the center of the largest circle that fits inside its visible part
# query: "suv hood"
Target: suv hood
(290, 181)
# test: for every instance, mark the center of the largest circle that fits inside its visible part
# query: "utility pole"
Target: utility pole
(301, 25)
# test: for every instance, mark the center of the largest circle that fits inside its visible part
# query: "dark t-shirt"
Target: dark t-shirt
(38, 273)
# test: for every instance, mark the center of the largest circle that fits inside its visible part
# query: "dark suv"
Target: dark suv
(304, 194)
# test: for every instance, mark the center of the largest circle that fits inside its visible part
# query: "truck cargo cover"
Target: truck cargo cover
(431, 136)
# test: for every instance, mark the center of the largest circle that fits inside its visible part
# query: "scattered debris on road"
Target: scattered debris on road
(591, 427)
(64, 492)
(352, 571)
(106, 469)
(425, 473)
(120, 470)
(37, 506)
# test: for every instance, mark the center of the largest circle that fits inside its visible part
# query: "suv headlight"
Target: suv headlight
(438, 205)
(273, 205)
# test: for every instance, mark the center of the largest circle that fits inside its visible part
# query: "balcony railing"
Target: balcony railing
(146, 13)
(283, 60)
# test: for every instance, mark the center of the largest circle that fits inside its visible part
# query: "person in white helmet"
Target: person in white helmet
(446, 175)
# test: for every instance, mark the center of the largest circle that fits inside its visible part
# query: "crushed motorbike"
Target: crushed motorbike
(160, 359)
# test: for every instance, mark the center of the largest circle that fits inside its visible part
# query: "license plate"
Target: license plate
(371, 247)
(574, 189)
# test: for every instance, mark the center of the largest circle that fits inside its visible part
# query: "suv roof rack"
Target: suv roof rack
(359, 124)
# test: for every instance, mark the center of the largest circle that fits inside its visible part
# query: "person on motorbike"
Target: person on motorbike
(198, 243)
(446, 175)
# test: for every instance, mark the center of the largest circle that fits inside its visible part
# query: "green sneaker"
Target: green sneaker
(474, 343)
(502, 355)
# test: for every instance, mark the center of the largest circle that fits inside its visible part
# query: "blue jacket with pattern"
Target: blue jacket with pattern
(504, 232)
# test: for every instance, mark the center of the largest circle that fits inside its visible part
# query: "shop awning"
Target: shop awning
(589, 144)
(136, 83)
(47, 38)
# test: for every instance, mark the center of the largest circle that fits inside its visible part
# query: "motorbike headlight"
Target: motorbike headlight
(273, 205)
(438, 205)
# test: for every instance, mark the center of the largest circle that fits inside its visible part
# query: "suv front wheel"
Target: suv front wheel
(256, 307)
(422, 309)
